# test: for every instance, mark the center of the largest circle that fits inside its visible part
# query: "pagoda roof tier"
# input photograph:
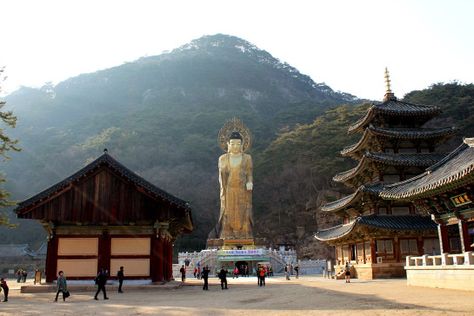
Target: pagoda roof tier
(455, 170)
(394, 107)
(394, 223)
(353, 198)
(407, 160)
(366, 142)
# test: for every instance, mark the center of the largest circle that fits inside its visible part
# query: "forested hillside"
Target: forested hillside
(160, 117)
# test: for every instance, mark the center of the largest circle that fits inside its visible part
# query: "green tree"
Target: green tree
(6, 143)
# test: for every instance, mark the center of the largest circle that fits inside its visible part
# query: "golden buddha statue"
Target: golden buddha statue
(236, 184)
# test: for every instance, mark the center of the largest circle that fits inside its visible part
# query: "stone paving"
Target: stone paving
(304, 296)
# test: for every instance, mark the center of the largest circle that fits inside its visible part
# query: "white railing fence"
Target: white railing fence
(462, 259)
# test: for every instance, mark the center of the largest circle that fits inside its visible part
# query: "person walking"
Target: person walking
(100, 280)
(287, 272)
(223, 276)
(19, 275)
(183, 273)
(297, 270)
(62, 286)
(261, 274)
(120, 277)
(5, 288)
(236, 273)
(205, 276)
(347, 270)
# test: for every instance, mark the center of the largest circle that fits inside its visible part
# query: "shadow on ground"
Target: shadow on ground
(273, 299)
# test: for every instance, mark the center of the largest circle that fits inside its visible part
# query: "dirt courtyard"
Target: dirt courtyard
(305, 296)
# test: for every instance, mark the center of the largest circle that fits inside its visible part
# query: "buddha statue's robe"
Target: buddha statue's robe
(235, 219)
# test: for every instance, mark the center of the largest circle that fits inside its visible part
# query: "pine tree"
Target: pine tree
(6, 144)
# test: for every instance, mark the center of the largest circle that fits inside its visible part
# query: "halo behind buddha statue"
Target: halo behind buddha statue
(235, 126)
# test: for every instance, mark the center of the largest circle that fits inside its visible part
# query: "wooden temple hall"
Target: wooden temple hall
(376, 235)
(445, 191)
(106, 216)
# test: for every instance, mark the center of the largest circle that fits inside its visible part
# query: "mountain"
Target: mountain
(160, 116)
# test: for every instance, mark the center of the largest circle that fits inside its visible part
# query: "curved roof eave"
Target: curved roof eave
(456, 167)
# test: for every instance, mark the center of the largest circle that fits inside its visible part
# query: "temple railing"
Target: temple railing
(462, 259)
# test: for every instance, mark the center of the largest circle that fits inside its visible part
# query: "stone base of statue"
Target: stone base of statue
(246, 259)
(242, 243)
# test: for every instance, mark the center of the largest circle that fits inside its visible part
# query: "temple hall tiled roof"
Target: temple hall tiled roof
(456, 169)
(114, 165)
(398, 222)
(394, 107)
(335, 232)
(412, 133)
(397, 133)
(346, 201)
(415, 159)
(382, 222)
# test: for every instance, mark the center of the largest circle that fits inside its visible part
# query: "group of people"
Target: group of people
(21, 275)
(242, 270)
(288, 271)
(222, 275)
(100, 281)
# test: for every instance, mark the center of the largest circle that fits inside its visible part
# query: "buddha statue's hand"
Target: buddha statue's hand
(249, 186)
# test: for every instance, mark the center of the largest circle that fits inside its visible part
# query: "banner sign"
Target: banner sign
(241, 252)
(242, 258)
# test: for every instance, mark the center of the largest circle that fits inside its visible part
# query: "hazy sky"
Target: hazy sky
(346, 44)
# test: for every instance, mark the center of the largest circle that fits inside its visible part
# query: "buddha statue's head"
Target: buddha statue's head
(234, 145)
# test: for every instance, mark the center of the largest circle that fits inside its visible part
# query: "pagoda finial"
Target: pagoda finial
(388, 93)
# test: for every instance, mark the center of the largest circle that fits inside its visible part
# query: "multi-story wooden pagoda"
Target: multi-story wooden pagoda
(376, 235)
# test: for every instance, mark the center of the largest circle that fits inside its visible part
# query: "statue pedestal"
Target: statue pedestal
(244, 243)
(214, 243)
(247, 243)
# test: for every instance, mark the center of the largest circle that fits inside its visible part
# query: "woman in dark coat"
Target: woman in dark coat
(100, 280)
(62, 286)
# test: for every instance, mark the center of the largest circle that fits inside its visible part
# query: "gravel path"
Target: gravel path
(305, 296)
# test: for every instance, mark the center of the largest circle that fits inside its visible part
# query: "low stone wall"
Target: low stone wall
(459, 278)
(448, 271)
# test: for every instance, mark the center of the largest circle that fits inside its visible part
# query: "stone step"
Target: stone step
(74, 288)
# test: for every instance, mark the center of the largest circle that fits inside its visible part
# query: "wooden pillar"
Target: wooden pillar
(170, 260)
(156, 259)
(464, 236)
(420, 244)
(153, 259)
(363, 251)
(443, 238)
(396, 249)
(166, 261)
(373, 253)
(51, 259)
(103, 260)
